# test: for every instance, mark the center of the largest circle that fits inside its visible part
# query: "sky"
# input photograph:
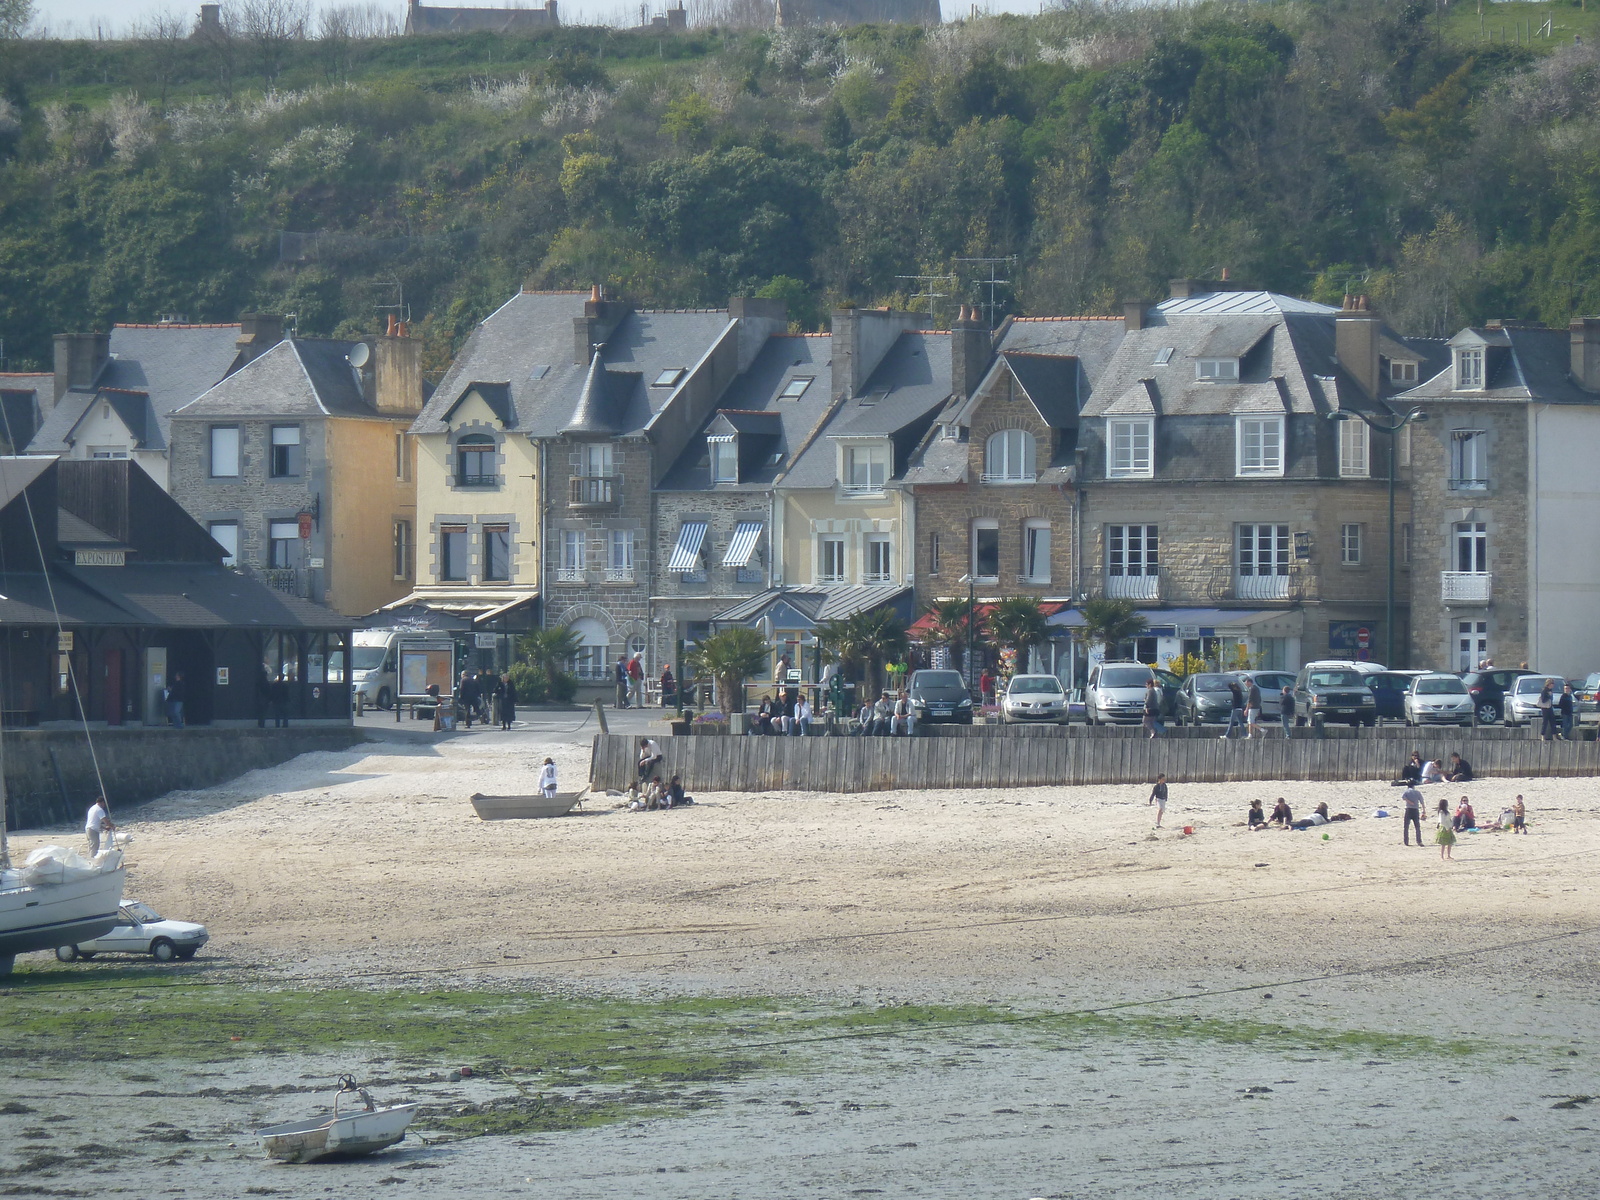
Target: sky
(81, 18)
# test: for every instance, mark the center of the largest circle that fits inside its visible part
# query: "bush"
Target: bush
(535, 686)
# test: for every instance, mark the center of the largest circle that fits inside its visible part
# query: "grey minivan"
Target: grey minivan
(940, 696)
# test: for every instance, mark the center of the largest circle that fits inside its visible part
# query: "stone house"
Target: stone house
(298, 465)
(422, 19)
(1214, 492)
(1505, 545)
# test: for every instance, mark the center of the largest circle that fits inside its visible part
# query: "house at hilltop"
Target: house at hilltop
(426, 18)
(857, 12)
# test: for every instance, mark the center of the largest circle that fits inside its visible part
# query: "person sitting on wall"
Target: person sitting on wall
(864, 719)
(1460, 770)
(1411, 773)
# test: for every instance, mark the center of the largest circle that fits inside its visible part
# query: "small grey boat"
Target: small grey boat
(352, 1130)
(517, 808)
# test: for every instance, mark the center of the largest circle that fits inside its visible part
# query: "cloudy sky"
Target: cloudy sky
(83, 18)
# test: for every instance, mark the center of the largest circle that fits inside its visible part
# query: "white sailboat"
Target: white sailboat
(56, 898)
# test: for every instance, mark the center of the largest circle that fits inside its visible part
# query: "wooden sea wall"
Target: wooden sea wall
(1035, 759)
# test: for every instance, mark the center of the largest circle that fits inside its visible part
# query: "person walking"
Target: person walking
(1519, 816)
(1252, 709)
(636, 681)
(175, 698)
(1412, 799)
(1564, 711)
(621, 676)
(279, 691)
(1153, 725)
(98, 822)
(669, 689)
(1158, 797)
(1547, 711)
(547, 779)
(467, 697)
(1235, 709)
(508, 701)
(1286, 708)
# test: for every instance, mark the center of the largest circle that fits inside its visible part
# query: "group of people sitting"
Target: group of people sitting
(788, 714)
(1283, 817)
(888, 716)
(1419, 771)
(649, 794)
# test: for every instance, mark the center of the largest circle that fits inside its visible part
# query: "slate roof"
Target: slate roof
(782, 359)
(168, 364)
(608, 402)
(1091, 340)
(898, 400)
(24, 398)
(1522, 365)
(199, 596)
(817, 604)
(299, 377)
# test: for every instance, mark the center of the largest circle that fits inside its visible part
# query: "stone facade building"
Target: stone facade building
(1505, 545)
(428, 18)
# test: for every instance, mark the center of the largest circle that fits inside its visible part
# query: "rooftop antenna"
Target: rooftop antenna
(992, 305)
(401, 310)
(929, 284)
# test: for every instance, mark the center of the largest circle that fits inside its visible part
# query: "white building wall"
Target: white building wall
(1564, 539)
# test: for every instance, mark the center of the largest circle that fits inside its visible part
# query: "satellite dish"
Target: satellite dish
(359, 354)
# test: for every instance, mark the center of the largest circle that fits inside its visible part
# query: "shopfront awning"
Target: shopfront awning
(743, 545)
(1208, 622)
(686, 554)
(476, 606)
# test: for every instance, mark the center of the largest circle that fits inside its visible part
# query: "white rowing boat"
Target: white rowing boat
(349, 1133)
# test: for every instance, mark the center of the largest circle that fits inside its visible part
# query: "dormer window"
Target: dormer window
(1402, 372)
(1469, 368)
(724, 454)
(865, 468)
(669, 377)
(1217, 370)
(796, 387)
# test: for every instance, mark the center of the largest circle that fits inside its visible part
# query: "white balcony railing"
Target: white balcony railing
(619, 574)
(988, 478)
(1471, 587)
(571, 575)
(1261, 587)
(1133, 587)
(877, 577)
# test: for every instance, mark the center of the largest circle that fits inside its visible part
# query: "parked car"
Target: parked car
(142, 930)
(1334, 691)
(1205, 700)
(1390, 689)
(1488, 689)
(1438, 699)
(1271, 684)
(1116, 692)
(1033, 698)
(1587, 693)
(1522, 700)
(940, 696)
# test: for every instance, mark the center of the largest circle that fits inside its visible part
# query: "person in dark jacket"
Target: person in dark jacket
(1286, 708)
(508, 701)
(175, 698)
(669, 689)
(1564, 711)
(1235, 709)
(467, 696)
(621, 676)
(1460, 770)
(279, 692)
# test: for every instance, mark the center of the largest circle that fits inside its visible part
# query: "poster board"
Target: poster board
(426, 661)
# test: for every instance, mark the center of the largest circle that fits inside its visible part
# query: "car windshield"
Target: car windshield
(1035, 683)
(1336, 679)
(1441, 685)
(1211, 683)
(1529, 685)
(368, 658)
(939, 679)
(1275, 682)
(141, 913)
(1124, 677)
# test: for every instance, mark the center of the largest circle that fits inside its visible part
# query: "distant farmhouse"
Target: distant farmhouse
(422, 19)
(857, 12)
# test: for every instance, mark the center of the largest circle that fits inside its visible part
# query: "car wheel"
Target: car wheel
(162, 950)
(67, 953)
(188, 952)
(385, 698)
(1487, 714)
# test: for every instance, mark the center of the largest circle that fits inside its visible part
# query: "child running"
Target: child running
(1158, 797)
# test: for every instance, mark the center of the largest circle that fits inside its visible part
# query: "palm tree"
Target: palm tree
(868, 640)
(730, 656)
(1019, 622)
(950, 625)
(1108, 623)
(551, 650)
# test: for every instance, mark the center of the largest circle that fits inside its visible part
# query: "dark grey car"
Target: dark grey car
(1205, 700)
(940, 696)
(1333, 694)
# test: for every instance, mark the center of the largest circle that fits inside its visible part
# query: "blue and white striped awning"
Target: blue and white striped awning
(686, 554)
(745, 537)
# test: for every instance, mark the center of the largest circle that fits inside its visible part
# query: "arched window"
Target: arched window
(589, 663)
(475, 461)
(1008, 457)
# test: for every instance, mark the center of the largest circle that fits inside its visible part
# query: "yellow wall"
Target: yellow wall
(517, 495)
(804, 506)
(364, 502)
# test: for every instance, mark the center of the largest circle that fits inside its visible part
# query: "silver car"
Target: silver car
(1438, 699)
(1033, 698)
(1522, 698)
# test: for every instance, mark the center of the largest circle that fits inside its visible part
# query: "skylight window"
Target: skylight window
(796, 387)
(539, 372)
(1164, 356)
(669, 377)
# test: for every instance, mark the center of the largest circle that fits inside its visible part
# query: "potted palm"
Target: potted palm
(729, 657)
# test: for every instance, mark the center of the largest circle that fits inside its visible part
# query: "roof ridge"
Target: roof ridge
(551, 292)
(306, 371)
(1068, 318)
(176, 325)
(125, 391)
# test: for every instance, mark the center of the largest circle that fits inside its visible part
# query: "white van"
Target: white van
(1116, 692)
(374, 660)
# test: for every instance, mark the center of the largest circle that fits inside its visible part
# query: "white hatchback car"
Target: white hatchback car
(1438, 699)
(142, 930)
(1034, 698)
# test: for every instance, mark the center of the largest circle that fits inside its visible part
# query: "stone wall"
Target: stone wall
(679, 599)
(50, 778)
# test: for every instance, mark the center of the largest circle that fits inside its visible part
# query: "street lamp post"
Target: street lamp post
(1392, 428)
(972, 603)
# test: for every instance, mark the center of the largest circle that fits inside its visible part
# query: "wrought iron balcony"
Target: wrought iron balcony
(1133, 587)
(1261, 587)
(282, 579)
(594, 492)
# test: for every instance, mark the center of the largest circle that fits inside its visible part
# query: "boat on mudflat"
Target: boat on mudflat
(360, 1127)
(58, 898)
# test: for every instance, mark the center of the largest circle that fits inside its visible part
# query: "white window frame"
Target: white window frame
(619, 556)
(108, 452)
(287, 437)
(831, 566)
(1262, 552)
(1402, 371)
(724, 454)
(1355, 449)
(1133, 551)
(1217, 370)
(1470, 547)
(574, 550)
(1402, 450)
(1130, 447)
(1469, 452)
(226, 458)
(1036, 550)
(796, 387)
(402, 457)
(1258, 453)
(1472, 644)
(873, 461)
(1010, 456)
(877, 546)
(984, 525)
(598, 461)
(1469, 366)
(1350, 544)
(230, 544)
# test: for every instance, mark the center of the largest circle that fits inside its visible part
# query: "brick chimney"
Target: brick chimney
(861, 337)
(971, 352)
(1355, 342)
(397, 372)
(258, 333)
(1133, 314)
(79, 357)
(599, 321)
(1585, 335)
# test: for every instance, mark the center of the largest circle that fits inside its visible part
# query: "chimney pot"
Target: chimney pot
(1133, 314)
(594, 294)
(1224, 274)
